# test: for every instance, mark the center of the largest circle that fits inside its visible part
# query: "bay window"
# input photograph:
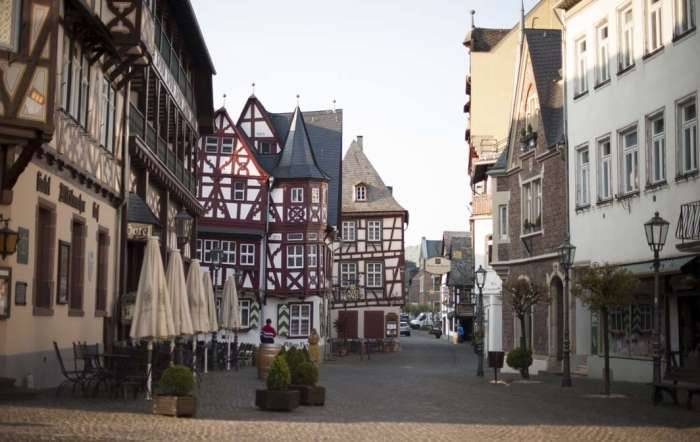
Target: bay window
(532, 206)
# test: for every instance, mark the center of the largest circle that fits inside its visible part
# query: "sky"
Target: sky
(396, 68)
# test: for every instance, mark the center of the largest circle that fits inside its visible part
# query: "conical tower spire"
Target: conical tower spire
(297, 159)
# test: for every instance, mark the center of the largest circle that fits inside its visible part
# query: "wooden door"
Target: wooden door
(348, 319)
(374, 324)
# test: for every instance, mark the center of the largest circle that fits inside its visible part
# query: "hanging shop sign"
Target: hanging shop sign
(138, 231)
(437, 265)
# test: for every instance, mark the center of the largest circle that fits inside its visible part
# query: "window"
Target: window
(684, 16)
(688, 155)
(297, 194)
(107, 110)
(532, 206)
(374, 274)
(77, 266)
(312, 252)
(244, 308)
(229, 249)
(360, 192)
(348, 231)
(581, 67)
(630, 161)
(295, 257)
(374, 230)
(75, 81)
(312, 236)
(531, 111)
(645, 321)
(295, 236)
(603, 54)
(43, 274)
(315, 195)
(9, 33)
(266, 147)
(657, 150)
(503, 221)
(211, 145)
(247, 254)
(227, 146)
(583, 176)
(348, 274)
(605, 171)
(299, 319)
(626, 38)
(617, 319)
(239, 190)
(653, 25)
(209, 245)
(489, 248)
(102, 272)
(198, 253)
(65, 73)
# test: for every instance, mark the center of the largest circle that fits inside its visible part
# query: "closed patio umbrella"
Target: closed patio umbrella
(153, 315)
(211, 309)
(198, 305)
(230, 316)
(182, 319)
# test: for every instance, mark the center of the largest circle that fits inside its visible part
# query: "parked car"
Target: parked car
(421, 320)
(404, 318)
(404, 328)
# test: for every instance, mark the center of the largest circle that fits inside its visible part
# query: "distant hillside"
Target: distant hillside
(411, 253)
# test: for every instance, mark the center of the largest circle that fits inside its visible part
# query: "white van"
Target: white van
(421, 320)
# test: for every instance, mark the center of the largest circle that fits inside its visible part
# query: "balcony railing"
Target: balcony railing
(688, 227)
(173, 62)
(481, 205)
(139, 127)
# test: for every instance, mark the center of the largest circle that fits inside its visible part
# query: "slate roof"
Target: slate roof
(297, 159)
(358, 169)
(139, 212)
(544, 46)
(484, 39)
(462, 269)
(430, 248)
(501, 163)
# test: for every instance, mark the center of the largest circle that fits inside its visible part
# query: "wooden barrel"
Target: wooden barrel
(266, 353)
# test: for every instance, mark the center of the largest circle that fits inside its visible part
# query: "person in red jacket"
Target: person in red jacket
(268, 333)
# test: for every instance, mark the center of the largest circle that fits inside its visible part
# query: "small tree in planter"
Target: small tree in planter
(304, 379)
(174, 393)
(523, 295)
(277, 396)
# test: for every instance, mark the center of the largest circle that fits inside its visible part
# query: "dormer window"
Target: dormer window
(360, 192)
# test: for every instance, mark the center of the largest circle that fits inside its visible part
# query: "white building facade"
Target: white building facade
(632, 76)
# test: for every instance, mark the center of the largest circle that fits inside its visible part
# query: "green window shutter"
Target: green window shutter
(283, 319)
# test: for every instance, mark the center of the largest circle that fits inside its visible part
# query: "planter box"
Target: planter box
(310, 394)
(277, 400)
(175, 405)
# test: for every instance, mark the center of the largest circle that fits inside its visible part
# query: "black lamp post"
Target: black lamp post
(480, 277)
(566, 251)
(8, 239)
(183, 228)
(656, 230)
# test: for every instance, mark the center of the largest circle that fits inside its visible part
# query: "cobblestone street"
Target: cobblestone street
(426, 392)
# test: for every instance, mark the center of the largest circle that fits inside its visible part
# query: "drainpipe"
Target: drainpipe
(121, 232)
(263, 247)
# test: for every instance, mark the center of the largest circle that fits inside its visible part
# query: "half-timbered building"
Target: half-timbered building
(269, 187)
(369, 255)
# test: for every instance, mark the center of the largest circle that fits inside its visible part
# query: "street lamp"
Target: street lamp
(480, 276)
(8, 239)
(183, 228)
(656, 230)
(566, 253)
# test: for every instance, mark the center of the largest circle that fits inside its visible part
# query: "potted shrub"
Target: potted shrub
(174, 393)
(304, 379)
(520, 359)
(277, 396)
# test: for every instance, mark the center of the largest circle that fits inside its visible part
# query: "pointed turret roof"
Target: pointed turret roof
(297, 159)
(357, 169)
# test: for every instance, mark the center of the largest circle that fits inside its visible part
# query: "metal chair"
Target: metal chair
(71, 377)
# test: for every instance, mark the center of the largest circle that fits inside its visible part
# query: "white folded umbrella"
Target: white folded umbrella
(153, 314)
(230, 315)
(211, 302)
(198, 305)
(178, 295)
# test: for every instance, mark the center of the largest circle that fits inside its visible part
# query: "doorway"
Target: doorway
(557, 317)
(688, 326)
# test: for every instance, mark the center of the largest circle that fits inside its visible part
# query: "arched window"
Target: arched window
(361, 192)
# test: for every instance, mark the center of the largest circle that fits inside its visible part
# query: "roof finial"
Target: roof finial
(472, 12)
(252, 86)
(298, 100)
(224, 100)
(334, 105)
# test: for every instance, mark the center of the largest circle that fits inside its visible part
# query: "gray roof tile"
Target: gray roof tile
(297, 159)
(544, 46)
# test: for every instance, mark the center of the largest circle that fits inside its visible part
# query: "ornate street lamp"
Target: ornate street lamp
(480, 277)
(656, 230)
(183, 227)
(566, 252)
(8, 239)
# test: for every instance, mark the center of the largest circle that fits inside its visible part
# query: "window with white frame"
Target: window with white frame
(227, 146)
(244, 308)
(107, 112)
(211, 145)
(656, 149)
(297, 194)
(315, 195)
(209, 245)
(653, 25)
(581, 67)
(688, 137)
(312, 255)
(295, 236)
(348, 231)
(247, 256)
(626, 45)
(198, 253)
(360, 192)
(503, 221)
(348, 274)
(229, 250)
(239, 190)
(605, 170)
(684, 16)
(299, 319)
(295, 257)
(629, 149)
(374, 274)
(532, 206)
(583, 176)
(374, 230)
(603, 53)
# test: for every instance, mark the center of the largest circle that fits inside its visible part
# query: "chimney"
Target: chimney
(390, 189)
(359, 141)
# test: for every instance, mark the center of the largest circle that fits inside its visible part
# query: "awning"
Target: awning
(669, 265)
(138, 212)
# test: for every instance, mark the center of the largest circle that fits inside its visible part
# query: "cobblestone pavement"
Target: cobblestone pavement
(428, 391)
